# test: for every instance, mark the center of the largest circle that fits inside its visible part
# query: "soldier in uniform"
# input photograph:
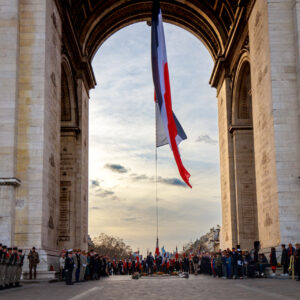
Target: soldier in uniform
(2, 255)
(7, 267)
(69, 266)
(83, 260)
(74, 256)
(297, 260)
(13, 267)
(19, 264)
(34, 260)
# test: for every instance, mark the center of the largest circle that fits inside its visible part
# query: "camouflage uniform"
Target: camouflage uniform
(13, 267)
(7, 267)
(19, 264)
(34, 260)
(2, 268)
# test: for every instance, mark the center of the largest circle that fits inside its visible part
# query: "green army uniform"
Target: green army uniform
(19, 264)
(34, 260)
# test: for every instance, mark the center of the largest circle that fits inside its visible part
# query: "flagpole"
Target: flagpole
(156, 190)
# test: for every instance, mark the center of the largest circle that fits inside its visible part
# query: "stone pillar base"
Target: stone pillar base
(41, 275)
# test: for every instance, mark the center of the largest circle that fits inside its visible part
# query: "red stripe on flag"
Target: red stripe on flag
(185, 175)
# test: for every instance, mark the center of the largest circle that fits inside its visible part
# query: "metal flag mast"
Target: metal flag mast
(156, 187)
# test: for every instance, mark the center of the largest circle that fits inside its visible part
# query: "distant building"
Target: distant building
(211, 240)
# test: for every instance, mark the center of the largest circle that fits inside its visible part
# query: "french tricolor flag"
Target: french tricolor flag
(168, 129)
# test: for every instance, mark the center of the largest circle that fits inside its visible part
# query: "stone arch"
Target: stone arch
(243, 155)
(242, 94)
(69, 109)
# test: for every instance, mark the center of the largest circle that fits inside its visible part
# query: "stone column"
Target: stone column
(82, 177)
(9, 44)
(229, 229)
(275, 120)
(38, 129)
(244, 166)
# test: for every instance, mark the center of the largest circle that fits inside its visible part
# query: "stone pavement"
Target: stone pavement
(196, 287)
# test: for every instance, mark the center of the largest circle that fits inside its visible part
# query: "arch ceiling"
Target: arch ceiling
(91, 22)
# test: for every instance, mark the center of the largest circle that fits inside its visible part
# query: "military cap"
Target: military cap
(0, 245)
(20, 250)
(4, 247)
(9, 249)
(15, 248)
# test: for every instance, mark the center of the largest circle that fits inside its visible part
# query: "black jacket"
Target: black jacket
(284, 257)
(69, 263)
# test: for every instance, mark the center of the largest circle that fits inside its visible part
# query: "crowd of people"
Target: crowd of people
(77, 265)
(11, 264)
(230, 264)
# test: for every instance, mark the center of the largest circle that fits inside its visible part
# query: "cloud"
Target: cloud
(168, 181)
(172, 181)
(116, 168)
(95, 208)
(96, 190)
(205, 138)
(94, 183)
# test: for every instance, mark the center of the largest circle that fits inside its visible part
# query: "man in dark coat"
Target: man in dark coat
(69, 265)
(234, 259)
(150, 263)
(297, 261)
(284, 260)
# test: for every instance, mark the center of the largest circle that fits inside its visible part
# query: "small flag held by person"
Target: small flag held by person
(168, 129)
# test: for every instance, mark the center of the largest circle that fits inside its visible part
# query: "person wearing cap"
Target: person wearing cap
(2, 266)
(240, 264)
(12, 268)
(69, 266)
(284, 260)
(19, 264)
(7, 267)
(234, 263)
(297, 260)
(83, 260)
(273, 261)
(62, 260)
(34, 260)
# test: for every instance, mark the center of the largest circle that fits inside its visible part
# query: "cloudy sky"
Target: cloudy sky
(122, 142)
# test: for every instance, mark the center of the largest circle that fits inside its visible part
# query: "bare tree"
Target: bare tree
(114, 247)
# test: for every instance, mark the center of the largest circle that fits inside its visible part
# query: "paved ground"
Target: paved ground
(196, 287)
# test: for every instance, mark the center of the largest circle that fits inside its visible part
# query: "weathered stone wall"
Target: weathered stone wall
(82, 187)
(276, 120)
(229, 229)
(9, 57)
(38, 126)
(244, 169)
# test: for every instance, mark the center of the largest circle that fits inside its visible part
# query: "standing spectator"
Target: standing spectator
(284, 260)
(150, 263)
(34, 260)
(196, 263)
(185, 264)
(291, 251)
(234, 263)
(273, 261)
(218, 262)
(224, 265)
(62, 264)
(297, 261)
(69, 266)
(228, 265)
(240, 263)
